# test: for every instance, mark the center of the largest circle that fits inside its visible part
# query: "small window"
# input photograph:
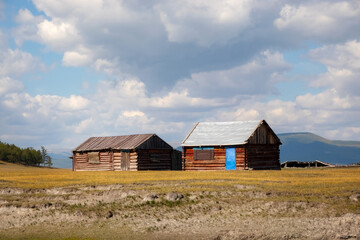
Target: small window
(207, 154)
(94, 157)
(158, 157)
(154, 157)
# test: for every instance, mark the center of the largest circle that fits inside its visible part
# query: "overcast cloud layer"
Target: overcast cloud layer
(74, 69)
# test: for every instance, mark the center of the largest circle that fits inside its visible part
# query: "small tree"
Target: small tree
(46, 159)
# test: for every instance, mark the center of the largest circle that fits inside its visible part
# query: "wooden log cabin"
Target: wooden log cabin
(241, 145)
(126, 153)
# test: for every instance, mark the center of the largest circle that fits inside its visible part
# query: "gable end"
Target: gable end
(263, 134)
(154, 142)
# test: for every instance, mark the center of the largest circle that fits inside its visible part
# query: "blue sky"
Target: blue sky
(74, 69)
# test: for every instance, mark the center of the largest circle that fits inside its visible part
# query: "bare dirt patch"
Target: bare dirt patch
(173, 210)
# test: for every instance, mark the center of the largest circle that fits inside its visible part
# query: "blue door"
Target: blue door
(230, 159)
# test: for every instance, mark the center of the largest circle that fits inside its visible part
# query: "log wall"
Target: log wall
(141, 159)
(117, 161)
(247, 157)
(154, 159)
(263, 156)
(133, 161)
(81, 162)
(240, 158)
(218, 163)
(118, 158)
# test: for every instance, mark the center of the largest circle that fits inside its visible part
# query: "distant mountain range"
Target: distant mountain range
(61, 160)
(303, 146)
(307, 146)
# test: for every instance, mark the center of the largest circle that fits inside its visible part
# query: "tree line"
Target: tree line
(27, 156)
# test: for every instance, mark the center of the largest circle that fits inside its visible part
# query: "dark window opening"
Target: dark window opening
(158, 157)
(204, 154)
(94, 157)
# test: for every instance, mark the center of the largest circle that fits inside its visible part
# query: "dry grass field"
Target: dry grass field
(44, 203)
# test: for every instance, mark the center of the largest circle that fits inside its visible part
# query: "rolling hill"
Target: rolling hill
(307, 146)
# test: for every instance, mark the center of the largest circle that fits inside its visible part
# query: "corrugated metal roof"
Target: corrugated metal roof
(220, 133)
(115, 142)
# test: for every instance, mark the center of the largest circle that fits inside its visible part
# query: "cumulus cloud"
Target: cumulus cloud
(343, 65)
(161, 42)
(204, 22)
(168, 64)
(321, 20)
(8, 85)
(77, 58)
(16, 62)
(298, 116)
(74, 103)
(255, 77)
(184, 100)
(3, 40)
(57, 34)
(328, 99)
(133, 38)
(27, 29)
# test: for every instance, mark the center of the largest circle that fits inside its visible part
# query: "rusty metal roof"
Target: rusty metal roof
(114, 142)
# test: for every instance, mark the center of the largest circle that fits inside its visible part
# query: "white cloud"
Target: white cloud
(74, 103)
(109, 10)
(183, 100)
(343, 133)
(8, 85)
(255, 77)
(77, 58)
(328, 99)
(340, 56)
(174, 63)
(132, 114)
(16, 62)
(85, 125)
(27, 29)
(343, 64)
(204, 22)
(3, 40)
(287, 116)
(320, 20)
(58, 35)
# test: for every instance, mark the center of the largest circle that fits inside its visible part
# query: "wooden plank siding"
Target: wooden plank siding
(154, 143)
(263, 135)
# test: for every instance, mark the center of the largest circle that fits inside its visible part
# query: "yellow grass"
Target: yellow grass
(326, 181)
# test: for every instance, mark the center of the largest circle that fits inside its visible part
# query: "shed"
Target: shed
(231, 146)
(126, 153)
(300, 164)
